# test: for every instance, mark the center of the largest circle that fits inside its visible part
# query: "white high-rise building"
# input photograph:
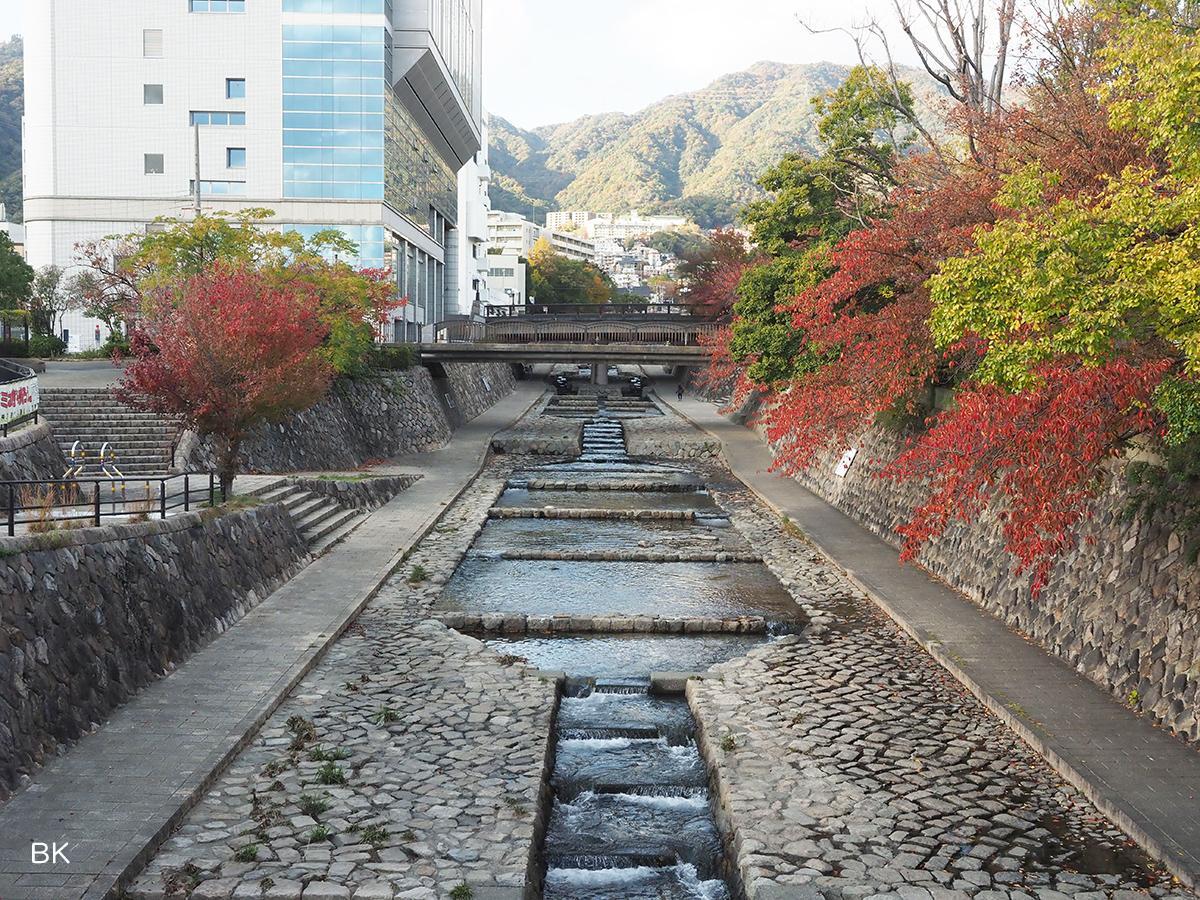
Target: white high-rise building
(513, 234)
(348, 114)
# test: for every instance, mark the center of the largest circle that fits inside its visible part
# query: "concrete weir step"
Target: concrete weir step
(518, 623)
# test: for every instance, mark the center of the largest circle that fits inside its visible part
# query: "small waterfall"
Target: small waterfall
(631, 814)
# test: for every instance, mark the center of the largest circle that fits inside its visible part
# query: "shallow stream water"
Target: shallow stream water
(631, 815)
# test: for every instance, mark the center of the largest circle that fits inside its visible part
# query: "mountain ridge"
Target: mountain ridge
(697, 153)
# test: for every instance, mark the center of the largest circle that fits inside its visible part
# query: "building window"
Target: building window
(153, 163)
(219, 188)
(235, 157)
(217, 6)
(152, 94)
(152, 43)
(235, 88)
(216, 118)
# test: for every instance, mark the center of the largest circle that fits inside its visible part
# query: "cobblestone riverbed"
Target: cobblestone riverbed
(414, 761)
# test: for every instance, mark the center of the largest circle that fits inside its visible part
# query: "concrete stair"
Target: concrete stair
(143, 441)
(321, 521)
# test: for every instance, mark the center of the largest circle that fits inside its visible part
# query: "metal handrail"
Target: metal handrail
(69, 495)
(10, 371)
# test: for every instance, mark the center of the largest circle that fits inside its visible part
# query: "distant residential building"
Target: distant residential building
(564, 220)
(356, 116)
(631, 226)
(514, 234)
(571, 245)
(474, 207)
(511, 233)
(507, 278)
(15, 232)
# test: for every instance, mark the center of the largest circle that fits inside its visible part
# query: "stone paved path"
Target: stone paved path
(1140, 777)
(441, 744)
(119, 792)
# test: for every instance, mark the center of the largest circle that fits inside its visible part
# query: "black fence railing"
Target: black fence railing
(14, 424)
(51, 505)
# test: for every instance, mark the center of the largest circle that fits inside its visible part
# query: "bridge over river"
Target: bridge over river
(599, 334)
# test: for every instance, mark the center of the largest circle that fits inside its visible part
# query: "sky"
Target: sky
(11, 15)
(550, 61)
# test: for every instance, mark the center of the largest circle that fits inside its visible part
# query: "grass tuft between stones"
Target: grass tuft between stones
(331, 773)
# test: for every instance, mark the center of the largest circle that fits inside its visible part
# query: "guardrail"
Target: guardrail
(49, 505)
(18, 396)
(532, 330)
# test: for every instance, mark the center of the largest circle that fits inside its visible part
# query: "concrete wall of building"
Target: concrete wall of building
(89, 617)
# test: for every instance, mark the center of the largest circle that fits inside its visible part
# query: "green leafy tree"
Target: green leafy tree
(865, 125)
(126, 274)
(51, 297)
(16, 276)
(555, 278)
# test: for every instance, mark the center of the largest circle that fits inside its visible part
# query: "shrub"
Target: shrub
(393, 357)
(46, 345)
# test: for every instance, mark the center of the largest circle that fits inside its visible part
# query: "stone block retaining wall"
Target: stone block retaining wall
(88, 617)
(1123, 607)
(367, 419)
(366, 493)
(30, 454)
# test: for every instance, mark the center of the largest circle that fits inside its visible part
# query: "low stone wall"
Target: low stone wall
(88, 617)
(669, 438)
(540, 435)
(367, 419)
(30, 454)
(1123, 607)
(362, 493)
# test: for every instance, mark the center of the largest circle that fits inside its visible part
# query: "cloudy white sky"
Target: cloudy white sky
(553, 60)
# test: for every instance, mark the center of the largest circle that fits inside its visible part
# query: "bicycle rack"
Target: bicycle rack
(77, 456)
(108, 462)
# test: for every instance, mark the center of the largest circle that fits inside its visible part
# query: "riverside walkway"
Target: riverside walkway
(114, 796)
(1142, 778)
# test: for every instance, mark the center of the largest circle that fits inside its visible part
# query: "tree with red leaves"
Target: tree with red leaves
(710, 278)
(226, 350)
(1036, 451)
(867, 322)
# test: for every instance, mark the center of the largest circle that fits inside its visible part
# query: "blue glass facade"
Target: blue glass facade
(333, 103)
(347, 137)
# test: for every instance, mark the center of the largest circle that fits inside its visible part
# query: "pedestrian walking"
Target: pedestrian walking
(679, 391)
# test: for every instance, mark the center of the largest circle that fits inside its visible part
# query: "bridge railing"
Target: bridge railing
(537, 330)
(617, 310)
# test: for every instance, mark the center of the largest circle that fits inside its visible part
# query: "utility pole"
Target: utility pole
(196, 131)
